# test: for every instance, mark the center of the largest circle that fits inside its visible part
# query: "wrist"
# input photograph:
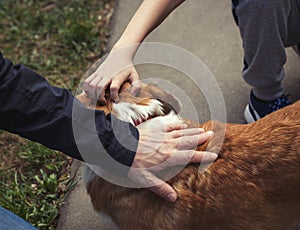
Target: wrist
(127, 47)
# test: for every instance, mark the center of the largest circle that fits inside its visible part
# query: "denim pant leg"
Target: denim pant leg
(266, 28)
(10, 221)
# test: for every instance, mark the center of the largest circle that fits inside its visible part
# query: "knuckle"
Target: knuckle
(101, 84)
(173, 143)
(92, 85)
(134, 74)
(173, 127)
(86, 82)
(165, 154)
(99, 87)
(168, 145)
(99, 90)
(114, 87)
(190, 141)
(167, 128)
(162, 189)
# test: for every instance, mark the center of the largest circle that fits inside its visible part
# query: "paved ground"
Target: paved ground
(206, 29)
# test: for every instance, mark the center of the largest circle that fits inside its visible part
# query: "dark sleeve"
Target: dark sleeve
(33, 109)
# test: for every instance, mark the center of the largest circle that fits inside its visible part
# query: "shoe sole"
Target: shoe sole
(250, 117)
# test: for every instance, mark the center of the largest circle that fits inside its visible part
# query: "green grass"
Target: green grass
(35, 188)
(59, 40)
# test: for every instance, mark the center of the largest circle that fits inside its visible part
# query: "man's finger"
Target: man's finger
(186, 157)
(190, 142)
(163, 190)
(203, 157)
(173, 127)
(187, 132)
(147, 179)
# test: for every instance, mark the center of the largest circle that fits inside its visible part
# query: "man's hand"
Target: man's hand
(165, 146)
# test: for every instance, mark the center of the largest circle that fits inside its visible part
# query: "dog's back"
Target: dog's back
(254, 184)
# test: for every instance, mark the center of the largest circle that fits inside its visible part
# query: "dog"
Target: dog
(254, 183)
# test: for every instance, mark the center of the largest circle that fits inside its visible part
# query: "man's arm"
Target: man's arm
(32, 108)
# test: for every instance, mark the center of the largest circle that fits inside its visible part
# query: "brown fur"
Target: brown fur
(254, 184)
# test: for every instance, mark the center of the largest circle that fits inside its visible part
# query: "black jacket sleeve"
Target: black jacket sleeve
(32, 108)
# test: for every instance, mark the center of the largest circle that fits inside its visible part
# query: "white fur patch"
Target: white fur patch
(171, 118)
(136, 114)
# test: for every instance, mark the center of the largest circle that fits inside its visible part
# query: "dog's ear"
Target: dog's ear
(94, 104)
(86, 101)
(166, 98)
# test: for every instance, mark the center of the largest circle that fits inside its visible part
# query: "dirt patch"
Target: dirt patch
(9, 146)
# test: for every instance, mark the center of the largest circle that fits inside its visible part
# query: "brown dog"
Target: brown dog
(254, 184)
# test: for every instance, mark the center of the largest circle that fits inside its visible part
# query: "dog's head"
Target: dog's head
(151, 102)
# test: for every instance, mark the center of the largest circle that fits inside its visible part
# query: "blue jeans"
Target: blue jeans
(10, 221)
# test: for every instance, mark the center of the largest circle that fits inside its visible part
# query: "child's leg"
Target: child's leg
(266, 28)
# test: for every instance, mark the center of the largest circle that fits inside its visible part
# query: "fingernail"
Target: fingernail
(135, 90)
(213, 156)
(184, 125)
(201, 130)
(117, 99)
(171, 197)
(210, 133)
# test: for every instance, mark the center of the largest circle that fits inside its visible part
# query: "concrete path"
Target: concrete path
(206, 29)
